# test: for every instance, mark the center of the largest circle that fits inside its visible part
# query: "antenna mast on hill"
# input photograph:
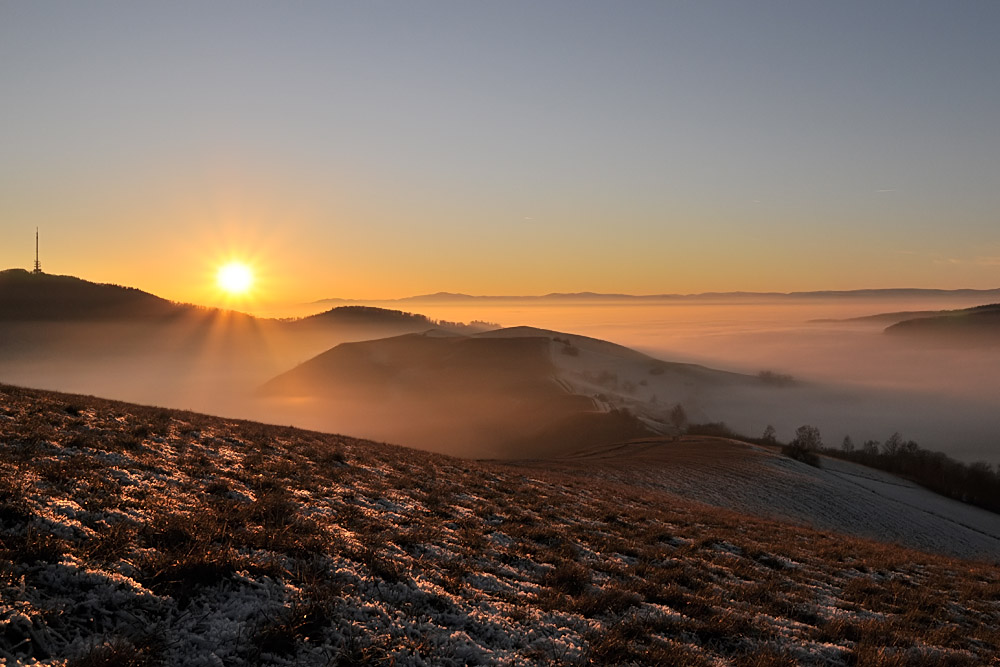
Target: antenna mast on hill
(38, 264)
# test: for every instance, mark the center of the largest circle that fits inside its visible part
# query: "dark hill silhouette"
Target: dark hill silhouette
(62, 331)
(498, 393)
(888, 319)
(382, 322)
(413, 361)
(885, 319)
(485, 395)
(66, 332)
(368, 315)
(979, 325)
(29, 296)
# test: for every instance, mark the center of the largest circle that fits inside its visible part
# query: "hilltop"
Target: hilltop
(30, 296)
(499, 393)
(386, 319)
(928, 321)
(137, 535)
(979, 325)
(368, 315)
(479, 395)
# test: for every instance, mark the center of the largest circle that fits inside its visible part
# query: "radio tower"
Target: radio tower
(38, 264)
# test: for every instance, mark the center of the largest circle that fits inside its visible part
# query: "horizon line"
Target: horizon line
(665, 295)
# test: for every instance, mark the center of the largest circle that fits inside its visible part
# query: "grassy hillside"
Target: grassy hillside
(142, 536)
(840, 496)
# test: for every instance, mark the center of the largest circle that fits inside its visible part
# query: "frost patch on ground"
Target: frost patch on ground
(138, 534)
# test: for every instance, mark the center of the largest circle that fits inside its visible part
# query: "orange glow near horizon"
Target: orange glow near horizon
(244, 273)
(235, 278)
(236, 284)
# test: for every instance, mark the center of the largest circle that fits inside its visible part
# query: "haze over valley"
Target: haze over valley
(758, 361)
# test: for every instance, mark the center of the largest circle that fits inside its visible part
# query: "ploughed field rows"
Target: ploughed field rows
(142, 536)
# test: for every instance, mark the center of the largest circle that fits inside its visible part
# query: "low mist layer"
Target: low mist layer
(781, 362)
(853, 378)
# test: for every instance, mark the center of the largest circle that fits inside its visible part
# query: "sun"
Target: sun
(235, 278)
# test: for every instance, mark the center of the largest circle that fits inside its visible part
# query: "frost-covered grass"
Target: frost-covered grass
(140, 536)
(841, 496)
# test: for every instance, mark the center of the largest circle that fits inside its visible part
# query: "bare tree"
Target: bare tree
(805, 446)
(678, 417)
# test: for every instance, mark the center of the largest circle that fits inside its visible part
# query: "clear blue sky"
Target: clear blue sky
(373, 149)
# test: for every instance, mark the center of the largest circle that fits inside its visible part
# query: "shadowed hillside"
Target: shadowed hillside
(28, 296)
(470, 394)
(61, 332)
(980, 325)
(133, 535)
(506, 392)
(451, 365)
(965, 325)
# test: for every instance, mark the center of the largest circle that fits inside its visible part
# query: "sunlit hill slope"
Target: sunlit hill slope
(135, 535)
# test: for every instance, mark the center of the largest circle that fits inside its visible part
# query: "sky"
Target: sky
(386, 149)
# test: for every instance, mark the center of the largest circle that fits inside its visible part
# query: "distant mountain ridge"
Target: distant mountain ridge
(905, 293)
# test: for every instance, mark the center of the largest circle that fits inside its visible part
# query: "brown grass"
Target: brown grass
(639, 576)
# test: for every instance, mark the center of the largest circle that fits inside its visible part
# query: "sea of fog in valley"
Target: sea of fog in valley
(855, 380)
(850, 378)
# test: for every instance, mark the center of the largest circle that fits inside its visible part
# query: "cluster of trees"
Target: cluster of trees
(369, 315)
(805, 447)
(716, 430)
(974, 483)
(475, 326)
(678, 418)
(776, 379)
